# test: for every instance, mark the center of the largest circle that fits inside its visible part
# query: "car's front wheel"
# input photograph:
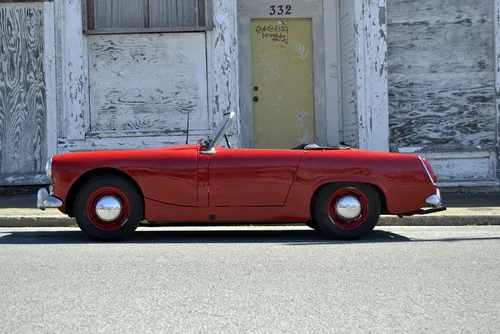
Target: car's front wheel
(108, 207)
(347, 211)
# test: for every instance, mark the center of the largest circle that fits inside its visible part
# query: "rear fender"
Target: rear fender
(350, 179)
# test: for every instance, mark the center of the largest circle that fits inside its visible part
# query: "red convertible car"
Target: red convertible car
(339, 191)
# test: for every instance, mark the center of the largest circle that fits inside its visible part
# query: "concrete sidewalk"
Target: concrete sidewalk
(21, 211)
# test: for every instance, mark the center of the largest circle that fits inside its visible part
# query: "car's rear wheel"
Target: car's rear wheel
(312, 224)
(108, 207)
(347, 211)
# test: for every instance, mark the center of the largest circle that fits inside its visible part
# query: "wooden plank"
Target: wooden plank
(333, 66)
(223, 67)
(24, 179)
(74, 73)
(449, 149)
(451, 44)
(467, 166)
(428, 109)
(441, 74)
(497, 78)
(61, 112)
(432, 11)
(348, 56)
(22, 92)
(21, 1)
(148, 82)
(147, 133)
(124, 143)
(370, 31)
(50, 77)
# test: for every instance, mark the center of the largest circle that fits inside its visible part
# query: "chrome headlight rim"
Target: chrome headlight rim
(48, 168)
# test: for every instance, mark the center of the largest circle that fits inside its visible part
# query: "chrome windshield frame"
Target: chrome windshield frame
(224, 125)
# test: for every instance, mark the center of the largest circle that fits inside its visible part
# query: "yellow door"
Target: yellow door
(282, 82)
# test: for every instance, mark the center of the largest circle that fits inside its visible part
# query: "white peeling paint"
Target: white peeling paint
(410, 149)
(49, 63)
(148, 82)
(223, 66)
(74, 68)
(463, 166)
(370, 31)
(497, 80)
(213, 95)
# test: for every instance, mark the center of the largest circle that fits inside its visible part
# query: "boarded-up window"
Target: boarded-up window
(115, 16)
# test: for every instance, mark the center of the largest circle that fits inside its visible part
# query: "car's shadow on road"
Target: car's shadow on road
(249, 235)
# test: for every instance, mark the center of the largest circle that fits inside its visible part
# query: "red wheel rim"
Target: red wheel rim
(108, 225)
(340, 221)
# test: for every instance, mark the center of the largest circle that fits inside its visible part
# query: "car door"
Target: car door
(251, 177)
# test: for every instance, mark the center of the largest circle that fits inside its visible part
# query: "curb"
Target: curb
(441, 220)
(430, 220)
(37, 221)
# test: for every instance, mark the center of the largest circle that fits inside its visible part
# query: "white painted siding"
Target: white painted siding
(23, 99)
(370, 31)
(453, 168)
(441, 73)
(147, 82)
(142, 85)
(442, 86)
(348, 57)
(223, 55)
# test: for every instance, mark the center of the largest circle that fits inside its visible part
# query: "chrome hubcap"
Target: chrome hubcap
(108, 208)
(348, 207)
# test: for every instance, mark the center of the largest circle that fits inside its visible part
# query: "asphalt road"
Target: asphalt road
(251, 279)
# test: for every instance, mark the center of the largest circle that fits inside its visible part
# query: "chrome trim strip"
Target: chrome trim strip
(218, 136)
(211, 151)
(427, 170)
(48, 168)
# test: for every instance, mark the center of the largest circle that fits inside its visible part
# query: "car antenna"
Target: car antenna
(187, 127)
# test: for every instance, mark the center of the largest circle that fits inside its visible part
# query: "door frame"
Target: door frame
(326, 55)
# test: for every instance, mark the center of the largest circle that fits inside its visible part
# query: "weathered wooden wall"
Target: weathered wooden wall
(348, 52)
(23, 144)
(363, 44)
(222, 67)
(134, 90)
(141, 83)
(441, 73)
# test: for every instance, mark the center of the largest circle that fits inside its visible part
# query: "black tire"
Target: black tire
(330, 222)
(312, 224)
(108, 185)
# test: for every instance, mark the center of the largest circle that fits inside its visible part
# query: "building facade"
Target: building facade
(419, 77)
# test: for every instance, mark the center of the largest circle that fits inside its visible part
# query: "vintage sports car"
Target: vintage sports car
(339, 191)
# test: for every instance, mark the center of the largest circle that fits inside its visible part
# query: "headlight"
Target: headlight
(48, 168)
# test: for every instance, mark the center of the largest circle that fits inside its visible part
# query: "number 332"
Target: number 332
(280, 11)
